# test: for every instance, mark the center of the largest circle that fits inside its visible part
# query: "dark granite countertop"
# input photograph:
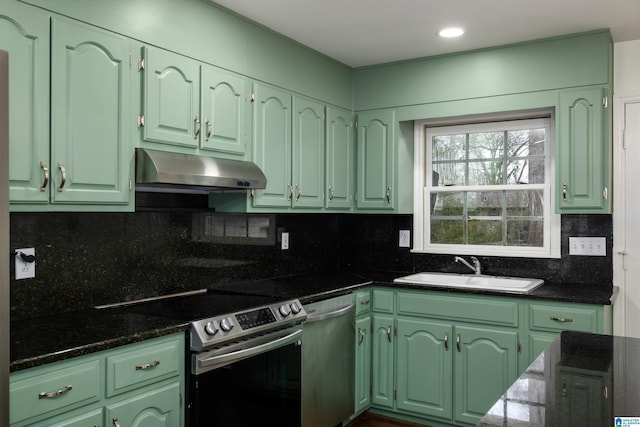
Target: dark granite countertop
(48, 339)
(579, 380)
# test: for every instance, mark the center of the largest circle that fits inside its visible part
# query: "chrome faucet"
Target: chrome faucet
(476, 264)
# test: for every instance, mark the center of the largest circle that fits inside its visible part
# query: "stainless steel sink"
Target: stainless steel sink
(495, 283)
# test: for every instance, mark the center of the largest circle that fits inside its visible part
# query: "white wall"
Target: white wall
(626, 86)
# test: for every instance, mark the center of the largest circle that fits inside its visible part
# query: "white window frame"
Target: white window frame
(422, 186)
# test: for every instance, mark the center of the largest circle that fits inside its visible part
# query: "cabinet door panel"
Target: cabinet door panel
(485, 367)
(425, 367)
(340, 152)
(159, 407)
(383, 361)
(172, 98)
(308, 154)
(25, 35)
(224, 108)
(272, 145)
(90, 98)
(363, 363)
(583, 152)
(376, 160)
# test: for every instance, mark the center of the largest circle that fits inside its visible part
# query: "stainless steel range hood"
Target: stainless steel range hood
(163, 171)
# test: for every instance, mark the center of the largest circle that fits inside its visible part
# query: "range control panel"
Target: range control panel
(217, 330)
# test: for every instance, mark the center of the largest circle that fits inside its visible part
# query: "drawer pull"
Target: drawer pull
(446, 341)
(389, 333)
(361, 332)
(63, 171)
(364, 302)
(146, 366)
(53, 394)
(561, 319)
(458, 343)
(115, 422)
(45, 169)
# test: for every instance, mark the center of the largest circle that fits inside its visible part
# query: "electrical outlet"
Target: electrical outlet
(25, 269)
(284, 241)
(588, 246)
(405, 239)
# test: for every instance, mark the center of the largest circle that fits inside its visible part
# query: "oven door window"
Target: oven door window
(262, 390)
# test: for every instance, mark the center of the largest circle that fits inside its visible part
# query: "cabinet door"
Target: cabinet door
(308, 154)
(90, 113)
(376, 160)
(582, 398)
(340, 165)
(583, 153)
(158, 407)
(224, 106)
(363, 364)
(171, 98)
(91, 418)
(485, 364)
(425, 367)
(382, 361)
(272, 145)
(24, 33)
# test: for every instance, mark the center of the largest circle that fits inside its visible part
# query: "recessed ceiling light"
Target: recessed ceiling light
(451, 32)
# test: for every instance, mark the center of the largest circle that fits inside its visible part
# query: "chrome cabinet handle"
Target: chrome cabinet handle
(64, 177)
(361, 332)
(209, 129)
(57, 393)
(146, 366)
(388, 194)
(458, 343)
(564, 191)
(389, 333)
(364, 302)
(299, 192)
(330, 194)
(45, 169)
(115, 422)
(561, 319)
(446, 341)
(197, 122)
(290, 196)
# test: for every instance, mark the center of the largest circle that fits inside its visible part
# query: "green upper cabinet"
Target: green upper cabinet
(272, 145)
(224, 107)
(340, 162)
(191, 105)
(171, 98)
(583, 152)
(376, 160)
(90, 151)
(24, 33)
(308, 153)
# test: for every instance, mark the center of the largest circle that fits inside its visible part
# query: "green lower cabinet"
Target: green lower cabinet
(425, 367)
(158, 408)
(363, 364)
(382, 360)
(89, 419)
(486, 364)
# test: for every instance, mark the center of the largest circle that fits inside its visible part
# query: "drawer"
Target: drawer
(363, 302)
(53, 389)
(141, 365)
(382, 301)
(472, 308)
(550, 317)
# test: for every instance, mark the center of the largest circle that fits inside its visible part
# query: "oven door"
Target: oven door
(250, 383)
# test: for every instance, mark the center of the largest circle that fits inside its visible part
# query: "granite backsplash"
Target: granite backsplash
(88, 259)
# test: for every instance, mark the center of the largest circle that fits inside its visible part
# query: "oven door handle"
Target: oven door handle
(213, 362)
(323, 316)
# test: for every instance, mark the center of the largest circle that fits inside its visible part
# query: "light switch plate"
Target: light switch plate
(284, 242)
(588, 246)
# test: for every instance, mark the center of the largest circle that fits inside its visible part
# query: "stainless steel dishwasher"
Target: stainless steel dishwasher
(328, 362)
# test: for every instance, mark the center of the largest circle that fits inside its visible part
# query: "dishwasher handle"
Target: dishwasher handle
(323, 316)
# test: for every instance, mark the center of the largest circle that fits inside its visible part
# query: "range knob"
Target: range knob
(284, 310)
(295, 308)
(210, 328)
(226, 324)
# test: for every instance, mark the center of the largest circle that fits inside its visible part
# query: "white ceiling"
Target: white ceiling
(366, 32)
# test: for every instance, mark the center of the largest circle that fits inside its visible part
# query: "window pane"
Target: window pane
(524, 143)
(486, 145)
(525, 222)
(447, 231)
(449, 159)
(449, 174)
(486, 173)
(485, 203)
(525, 171)
(447, 204)
(483, 232)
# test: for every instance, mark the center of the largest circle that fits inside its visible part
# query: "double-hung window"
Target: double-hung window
(486, 188)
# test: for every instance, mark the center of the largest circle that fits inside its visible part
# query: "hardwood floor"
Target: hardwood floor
(374, 420)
